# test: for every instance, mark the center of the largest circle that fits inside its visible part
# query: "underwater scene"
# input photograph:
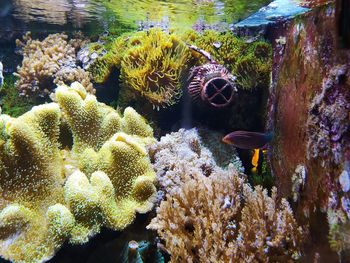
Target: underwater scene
(214, 131)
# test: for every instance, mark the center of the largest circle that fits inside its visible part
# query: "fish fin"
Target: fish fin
(255, 159)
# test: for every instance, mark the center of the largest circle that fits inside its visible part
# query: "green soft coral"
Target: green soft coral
(50, 195)
(151, 64)
(251, 63)
(102, 67)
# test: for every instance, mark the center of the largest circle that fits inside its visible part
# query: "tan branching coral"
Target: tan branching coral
(49, 194)
(42, 60)
(222, 219)
(67, 75)
(211, 214)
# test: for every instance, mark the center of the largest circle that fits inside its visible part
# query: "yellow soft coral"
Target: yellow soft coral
(31, 186)
(122, 185)
(152, 66)
(50, 195)
(91, 122)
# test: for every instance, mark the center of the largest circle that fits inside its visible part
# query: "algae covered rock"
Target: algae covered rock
(251, 63)
(50, 195)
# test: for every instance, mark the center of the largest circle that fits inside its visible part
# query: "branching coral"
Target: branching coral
(251, 63)
(42, 60)
(69, 74)
(222, 219)
(211, 214)
(152, 66)
(50, 195)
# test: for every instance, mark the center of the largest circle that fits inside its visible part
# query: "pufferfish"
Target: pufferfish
(249, 140)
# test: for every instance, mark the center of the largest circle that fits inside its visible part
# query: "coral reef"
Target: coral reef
(152, 66)
(222, 219)
(210, 214)
(52, 60)
(50, 195)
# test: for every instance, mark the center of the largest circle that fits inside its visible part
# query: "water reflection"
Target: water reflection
(58, 12)
(180, 14)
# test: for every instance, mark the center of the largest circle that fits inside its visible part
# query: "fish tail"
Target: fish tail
(269, 136)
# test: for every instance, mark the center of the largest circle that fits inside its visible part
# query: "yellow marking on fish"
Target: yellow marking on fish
(255, 159)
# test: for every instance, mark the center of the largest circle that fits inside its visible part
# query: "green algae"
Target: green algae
(251, 63)
(11, 102)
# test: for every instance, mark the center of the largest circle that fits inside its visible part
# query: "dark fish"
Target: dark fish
(247, 140)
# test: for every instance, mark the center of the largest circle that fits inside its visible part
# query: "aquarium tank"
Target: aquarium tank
(200, 131)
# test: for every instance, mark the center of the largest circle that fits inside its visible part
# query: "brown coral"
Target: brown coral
(67, 75)
(49, 61)
(222, 219)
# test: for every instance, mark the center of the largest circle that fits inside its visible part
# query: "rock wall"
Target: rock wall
(309, 113)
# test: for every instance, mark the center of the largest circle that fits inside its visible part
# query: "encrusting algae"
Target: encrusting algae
(50, 195)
